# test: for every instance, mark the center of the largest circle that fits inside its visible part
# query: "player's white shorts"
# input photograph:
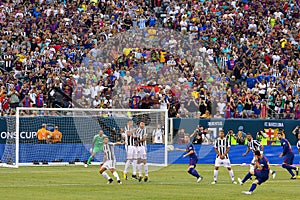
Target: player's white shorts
(131, 152)
(225, 162)
(141, 152)
(109, 164)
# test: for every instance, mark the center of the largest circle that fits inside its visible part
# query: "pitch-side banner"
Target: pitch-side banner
(270, 127)
(7, 134)
(74, 128)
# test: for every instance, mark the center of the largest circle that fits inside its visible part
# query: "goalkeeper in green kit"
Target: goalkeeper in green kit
(96, 145)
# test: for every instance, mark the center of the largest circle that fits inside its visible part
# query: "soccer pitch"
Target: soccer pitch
(172, 182)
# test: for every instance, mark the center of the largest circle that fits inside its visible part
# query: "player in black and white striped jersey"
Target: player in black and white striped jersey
(253, 145)
(222, 147)
(131, 149)
(141, 136)
(109, 161)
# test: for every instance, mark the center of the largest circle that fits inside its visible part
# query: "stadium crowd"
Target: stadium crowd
(246, 63)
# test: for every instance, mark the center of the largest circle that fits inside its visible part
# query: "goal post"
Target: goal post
(8, 145)
(78, 127)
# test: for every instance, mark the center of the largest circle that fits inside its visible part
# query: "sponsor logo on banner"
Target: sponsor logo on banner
(274, 124)
(216, 123)
(272, 129)
(23, 135)
(271, 132)
(214, 128)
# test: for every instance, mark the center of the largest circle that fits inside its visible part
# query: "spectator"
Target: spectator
(296, 132)
(97, 102)
(221, 106)
(13, 97)
(240, 139)
(297, 111)
(206, 115)
(181, 134)
(135, 101)
(199, 135)
(158, 135)
(262, 138)
(146, 102)
(241, 135)
(257, 57)
(128, 78)
(198, 139)
(218, 115)
(202, 106)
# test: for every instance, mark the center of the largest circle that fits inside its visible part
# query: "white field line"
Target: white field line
(133, 182)
(96, 171)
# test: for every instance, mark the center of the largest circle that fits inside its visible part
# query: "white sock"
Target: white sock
(146, 169)
(127, 164)
(140, 169)
(231, 175)
(105, 175)
(134, 163)
(216, 175)
(116, 175)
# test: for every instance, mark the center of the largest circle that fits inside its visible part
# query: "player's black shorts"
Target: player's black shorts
(193, 162)
(261, 177)
(289, 159)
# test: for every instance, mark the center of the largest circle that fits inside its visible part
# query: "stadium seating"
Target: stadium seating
(49, 57)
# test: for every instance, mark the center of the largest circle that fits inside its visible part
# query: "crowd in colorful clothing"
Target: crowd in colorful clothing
(232, 59)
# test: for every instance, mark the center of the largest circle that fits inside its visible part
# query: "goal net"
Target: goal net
(23, 146)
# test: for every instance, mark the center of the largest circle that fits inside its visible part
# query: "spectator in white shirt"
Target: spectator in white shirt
(96, 102)
(183, 24)
(171, 63)
(262, 89)
(128, 78)
(158, 135)
(221, 106)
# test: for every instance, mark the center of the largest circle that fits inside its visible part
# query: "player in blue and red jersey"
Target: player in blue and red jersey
(288, 156)
(191, 152)
(261, 171)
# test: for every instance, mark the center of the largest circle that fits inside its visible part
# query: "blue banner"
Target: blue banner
(249, 126)
(78, 133)
(207, 155)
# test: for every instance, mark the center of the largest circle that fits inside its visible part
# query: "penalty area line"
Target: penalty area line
(48, 185)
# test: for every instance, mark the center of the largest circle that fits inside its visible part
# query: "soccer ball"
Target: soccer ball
(85, 165)
(170, 148)
(49, 136)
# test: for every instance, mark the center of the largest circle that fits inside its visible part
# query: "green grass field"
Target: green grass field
(172, 182)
